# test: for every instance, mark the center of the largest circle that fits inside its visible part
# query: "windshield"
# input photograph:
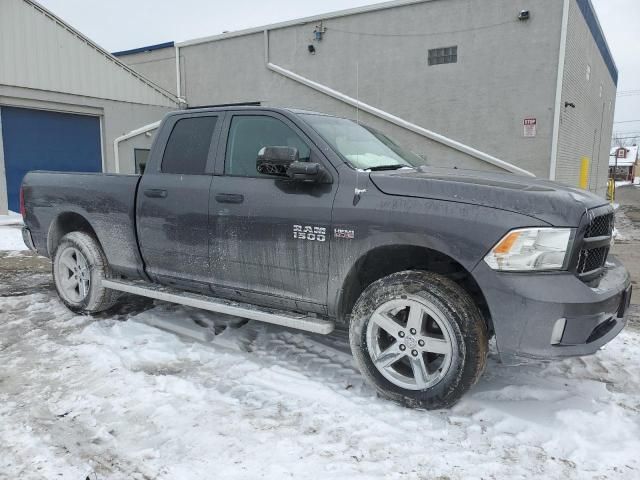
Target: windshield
(362, 147)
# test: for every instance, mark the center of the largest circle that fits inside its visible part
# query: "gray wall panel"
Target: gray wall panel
(507, 71)
(38, 51)
(585, 131)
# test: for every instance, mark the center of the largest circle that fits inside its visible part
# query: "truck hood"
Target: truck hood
(550, 202)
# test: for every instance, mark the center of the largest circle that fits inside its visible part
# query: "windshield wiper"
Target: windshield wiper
(395, 166)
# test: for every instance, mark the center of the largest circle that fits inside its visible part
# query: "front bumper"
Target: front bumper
(551, 315)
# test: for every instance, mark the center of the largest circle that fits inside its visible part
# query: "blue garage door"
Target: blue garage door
(41, 140)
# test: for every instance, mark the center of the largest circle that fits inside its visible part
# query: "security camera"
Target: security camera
(524, 15)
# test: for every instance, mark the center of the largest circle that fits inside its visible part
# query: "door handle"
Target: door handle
(229, 198)
(155, 193)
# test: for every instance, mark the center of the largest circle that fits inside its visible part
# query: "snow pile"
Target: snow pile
(127, 400)
(11, 239)
(12, 218)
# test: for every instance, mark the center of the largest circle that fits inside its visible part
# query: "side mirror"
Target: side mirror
(276, 160)
(309, 172)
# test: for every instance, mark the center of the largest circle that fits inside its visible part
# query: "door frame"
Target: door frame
(160, 143)
(45, 106)
(224, 138)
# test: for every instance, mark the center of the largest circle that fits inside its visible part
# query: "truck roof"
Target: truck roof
(225, 108)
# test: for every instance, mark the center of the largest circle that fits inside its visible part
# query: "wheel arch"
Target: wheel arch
(65, 223)
(388, 259)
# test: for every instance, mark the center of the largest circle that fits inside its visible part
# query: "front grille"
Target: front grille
(590, 260)
(593, 255)
(600, 226)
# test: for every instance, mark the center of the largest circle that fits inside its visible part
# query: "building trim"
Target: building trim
(596, 30)
(70, 94)
(126, 136)
(4, 195)
(301, 21)
(102, 150)
(148, 48)
(61, 107)
(108, 56)
(555, 138)
(466, 149)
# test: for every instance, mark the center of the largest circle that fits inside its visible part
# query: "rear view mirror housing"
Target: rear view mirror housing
(284, 162)
(309, 172)
(276, 160)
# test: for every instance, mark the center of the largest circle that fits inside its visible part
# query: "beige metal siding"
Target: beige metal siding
(506, 71)
(38, 51)
(585, 131)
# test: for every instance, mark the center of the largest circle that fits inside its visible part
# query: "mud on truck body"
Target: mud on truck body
(312, 221)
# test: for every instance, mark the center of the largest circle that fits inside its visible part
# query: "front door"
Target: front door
(173, 201)
(269, 235)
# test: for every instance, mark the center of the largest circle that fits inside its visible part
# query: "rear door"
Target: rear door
(270, 236)
(173, 200)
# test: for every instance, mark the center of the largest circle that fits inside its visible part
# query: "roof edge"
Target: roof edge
(148, 48)
(593, 23)
(299, 21)
(101, 50)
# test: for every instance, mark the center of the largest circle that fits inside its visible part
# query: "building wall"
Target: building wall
(506, 71)
(38, 51)
(117, 118)
(127, 150)
(158, 65)
(585, 131)
(46, 64)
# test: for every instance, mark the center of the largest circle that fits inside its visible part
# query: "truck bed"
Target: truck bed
(106, 201)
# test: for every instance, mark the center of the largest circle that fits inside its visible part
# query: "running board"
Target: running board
(219, 305)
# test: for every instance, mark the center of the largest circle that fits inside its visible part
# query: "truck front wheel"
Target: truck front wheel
(79, 266)
(419, 339)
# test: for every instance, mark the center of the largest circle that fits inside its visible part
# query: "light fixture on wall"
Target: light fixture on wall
(319, 31)
(524, 15)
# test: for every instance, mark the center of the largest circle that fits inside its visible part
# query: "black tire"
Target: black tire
(97, 298)
(460, 318)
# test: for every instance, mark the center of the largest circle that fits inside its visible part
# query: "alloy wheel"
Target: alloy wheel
(410, 343)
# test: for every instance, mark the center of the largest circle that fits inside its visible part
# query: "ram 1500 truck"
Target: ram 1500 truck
(311, 221)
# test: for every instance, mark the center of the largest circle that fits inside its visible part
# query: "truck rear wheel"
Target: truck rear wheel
(79, 266)
(419, 339)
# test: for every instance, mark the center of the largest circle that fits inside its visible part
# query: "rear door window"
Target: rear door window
(188, 146)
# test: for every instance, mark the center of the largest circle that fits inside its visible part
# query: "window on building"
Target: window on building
(439, 56)
(188, 146)
(141, 155)
(248, 134)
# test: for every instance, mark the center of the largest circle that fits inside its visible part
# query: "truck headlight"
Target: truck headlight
(531, 249)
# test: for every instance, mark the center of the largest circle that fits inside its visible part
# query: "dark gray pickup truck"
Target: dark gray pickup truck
(307, 220)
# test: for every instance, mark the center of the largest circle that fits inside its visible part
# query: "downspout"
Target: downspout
(178, 74)
(553, 163)
(389, 117)
(133, 133)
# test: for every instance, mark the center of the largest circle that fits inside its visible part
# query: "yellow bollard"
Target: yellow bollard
(611, 190)
(584, 173)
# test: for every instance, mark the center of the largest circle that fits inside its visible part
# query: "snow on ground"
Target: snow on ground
(124, 400)
(624, 230)
(12, 218)
(11, 233)
(622, 183)
(11, 239)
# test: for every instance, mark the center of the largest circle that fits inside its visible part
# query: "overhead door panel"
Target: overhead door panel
(43, 140)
